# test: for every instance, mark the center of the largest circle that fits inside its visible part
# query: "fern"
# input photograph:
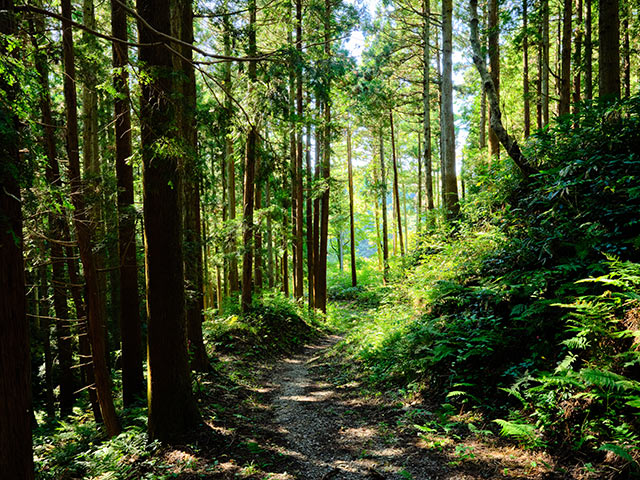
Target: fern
(605, 379)
(522, 431)
(618, 450)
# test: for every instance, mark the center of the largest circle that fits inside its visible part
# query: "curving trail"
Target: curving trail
(331, 432)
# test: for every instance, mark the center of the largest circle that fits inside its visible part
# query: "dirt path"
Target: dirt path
(331, 433)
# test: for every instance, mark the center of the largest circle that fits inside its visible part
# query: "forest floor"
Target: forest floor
(295, 418)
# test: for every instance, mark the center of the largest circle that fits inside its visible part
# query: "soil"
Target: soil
(295, 420)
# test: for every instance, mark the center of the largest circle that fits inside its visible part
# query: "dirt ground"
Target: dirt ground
(292, 422)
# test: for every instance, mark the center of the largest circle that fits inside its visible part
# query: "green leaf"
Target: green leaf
(618, 450)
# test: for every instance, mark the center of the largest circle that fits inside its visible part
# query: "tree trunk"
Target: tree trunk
(626, 52)
(172, 408)
(91, 163)
(321, 276)
(385, 229)
(448, 134)
(588, 52)
(510, 145)
(352, 231)
(565, 80)
(270, 270)
(232, 266)
(191, 210)
(377, 219)
(545, 62)
(316, 208)
(494, 65)
(576, 60)
(130, 324)
(16, 457)
(96, 321)
(426, 102)
(419, 195)
(299, 286)
(525, 69)
(57, 222)
(257, 237)
(396, 190)
(609, 33)
(309, 215)
(249, 178)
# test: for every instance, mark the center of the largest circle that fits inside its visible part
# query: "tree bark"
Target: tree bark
(565, 75)
(545, 62)
(396, 190)
(57, 221)
(385, 228)
(626, 52)
(299, 286)
(576, 60)
(426, 102)
(352, 231)
(588, 52)
(16, 457)
(510, 145)
(172, 408)
(494, 65)
(249, 178)
(309, 218)
(258, 267)
(448, 134)
(609, 33)
(525, 69)
(321, 276)
(130, 323)
(419, 195)
(231, 170)
(93, 184)
(193, 275)
(96, 321)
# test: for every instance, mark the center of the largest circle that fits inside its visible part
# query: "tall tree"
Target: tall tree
(494, 65)
(545, 61)
(57, 228)
(83, 228)
(426, 101)
(588, 51)
(299, 216)
(396, 190)
(450, 191)
(321, 265)
(130, 328)
(230, 161)
(16, 458)
(565, 74)
(383, 199)
(354, 278)
(508, 142)
(249, 176)
(525, 68)
(193, 271)
(577, 87)
(172, 408)
(609, 34)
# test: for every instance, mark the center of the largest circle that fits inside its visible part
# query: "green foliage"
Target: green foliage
(276, 325)
(532, 293)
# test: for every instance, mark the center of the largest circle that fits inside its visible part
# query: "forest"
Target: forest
(319, 239)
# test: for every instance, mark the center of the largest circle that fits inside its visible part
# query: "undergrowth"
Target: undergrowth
(526, 306)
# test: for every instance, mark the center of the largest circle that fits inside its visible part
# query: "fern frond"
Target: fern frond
(521, 431)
